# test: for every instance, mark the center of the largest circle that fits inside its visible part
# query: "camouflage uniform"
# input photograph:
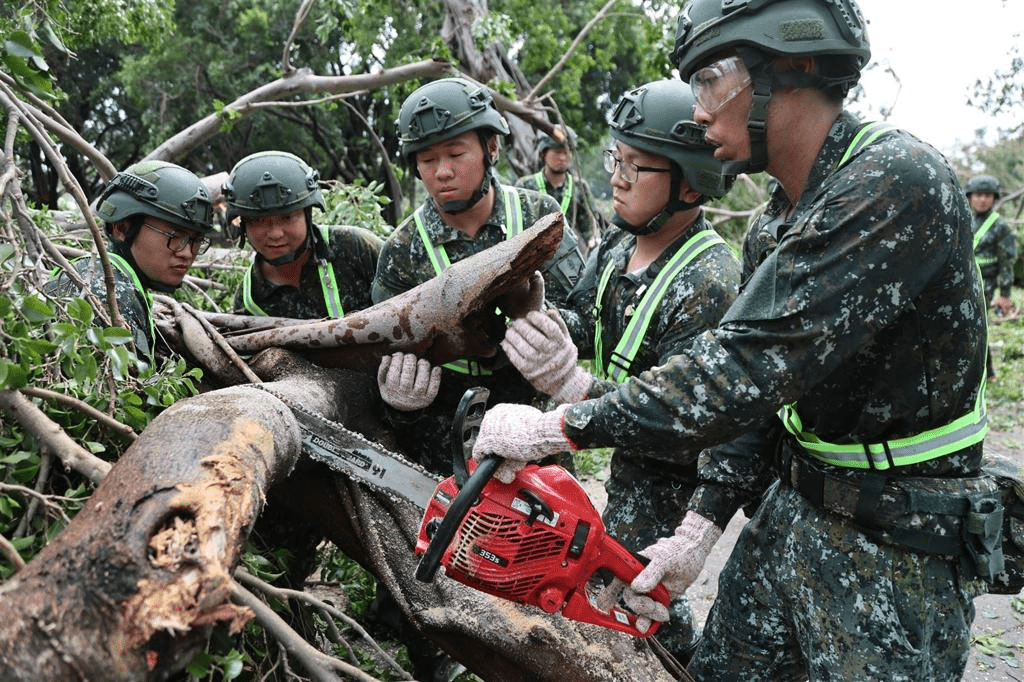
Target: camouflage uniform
(352, 253)
(648, 489)
(404, 263)
(865, 305)
(133, 299)
(996, 254)
(578, 207)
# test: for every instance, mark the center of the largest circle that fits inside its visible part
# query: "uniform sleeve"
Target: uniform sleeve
(822, 296)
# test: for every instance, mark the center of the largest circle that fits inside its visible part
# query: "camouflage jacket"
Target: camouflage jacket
(694, 301)
(404, 262)
(133, 299)
(864, 305)
(352, 253)
(578, 207)
(996, 253)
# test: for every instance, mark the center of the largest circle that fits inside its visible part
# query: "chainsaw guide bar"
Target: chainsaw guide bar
(360, 458)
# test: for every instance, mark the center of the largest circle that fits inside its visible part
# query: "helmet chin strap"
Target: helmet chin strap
(463, 205)
(308, 242)
(672, 206)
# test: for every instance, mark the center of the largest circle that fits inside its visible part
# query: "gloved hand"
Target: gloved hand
(675, 562)
(406, 382)
(519, 434)
(520, 301)
(541, 349)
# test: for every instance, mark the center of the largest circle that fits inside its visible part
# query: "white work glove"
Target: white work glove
(541, 349)
(406, 382)
(519, 434)
(675, 562)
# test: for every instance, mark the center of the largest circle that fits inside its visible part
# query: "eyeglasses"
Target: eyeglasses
(177, 241)
(716, 84)
(628, 170)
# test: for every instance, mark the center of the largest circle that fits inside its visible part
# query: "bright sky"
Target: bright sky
(938, 48)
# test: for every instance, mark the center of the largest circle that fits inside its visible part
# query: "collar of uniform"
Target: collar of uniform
(261, 286)
(623, 249)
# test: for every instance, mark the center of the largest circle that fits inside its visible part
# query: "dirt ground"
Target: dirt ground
(997, 653)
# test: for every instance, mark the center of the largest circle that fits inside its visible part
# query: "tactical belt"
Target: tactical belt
(953, 517)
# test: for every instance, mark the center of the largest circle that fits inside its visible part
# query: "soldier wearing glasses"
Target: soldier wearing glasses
(156, 216)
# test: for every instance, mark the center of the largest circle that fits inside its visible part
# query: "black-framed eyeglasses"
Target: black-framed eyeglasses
(177, 241)
(628, 170)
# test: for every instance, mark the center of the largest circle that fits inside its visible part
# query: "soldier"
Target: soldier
(301, 270)
(157, 216)
(572, 193)
(995, 247)
(861, 323)
(661, 276)
(449, 132)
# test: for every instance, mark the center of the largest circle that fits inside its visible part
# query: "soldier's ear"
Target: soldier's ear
(119, 230)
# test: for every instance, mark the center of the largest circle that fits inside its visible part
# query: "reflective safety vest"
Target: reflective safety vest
(985, 226)
(122, 265)
(439, 259)
(927, 445)
(620, 359)
(328, 283)
(566, 193)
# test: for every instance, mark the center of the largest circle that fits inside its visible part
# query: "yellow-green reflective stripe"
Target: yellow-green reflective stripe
(598, 306)
(247, 299)
(464, 366)
(127, 270)
(865, 136)
(438, 256)
(629, 345)
(987, 260)
(513, 212)
(542, 187)
(985, 226)
(938, 442)
(329, 283)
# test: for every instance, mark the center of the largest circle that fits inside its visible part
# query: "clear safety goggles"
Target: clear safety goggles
(716, 84)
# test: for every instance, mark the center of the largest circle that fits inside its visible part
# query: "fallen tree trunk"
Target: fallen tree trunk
(130, 589)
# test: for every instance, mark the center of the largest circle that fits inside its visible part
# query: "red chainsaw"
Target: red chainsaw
(538, 540)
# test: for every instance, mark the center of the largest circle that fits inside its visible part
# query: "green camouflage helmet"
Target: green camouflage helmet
(707, 28)
(443, 109)
(564, 137)
(983, 183)
(159, 189)
(657, 118)
(271, 183)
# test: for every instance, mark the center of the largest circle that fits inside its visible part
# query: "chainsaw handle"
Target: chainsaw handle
(465, 427)
(467, 497)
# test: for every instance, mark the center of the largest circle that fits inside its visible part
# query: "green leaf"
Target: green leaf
(117, 336)
(12, 375)
(80, 310)
(36, 309)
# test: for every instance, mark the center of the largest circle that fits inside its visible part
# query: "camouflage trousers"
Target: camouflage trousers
(804, 594)
(641, 509)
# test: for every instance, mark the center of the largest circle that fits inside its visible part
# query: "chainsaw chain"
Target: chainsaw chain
(366, 442)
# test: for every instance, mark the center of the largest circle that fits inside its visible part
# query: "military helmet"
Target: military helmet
(443, 109)
(706, 28)
(983, 183)
(270, 183)
(159, 189)
(564, 137)
(658, 119)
